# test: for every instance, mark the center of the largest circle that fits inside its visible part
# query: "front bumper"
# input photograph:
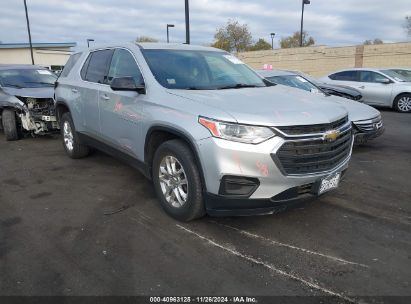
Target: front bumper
(366, 130)
(218, 205)
(363, 137)
(275, 191)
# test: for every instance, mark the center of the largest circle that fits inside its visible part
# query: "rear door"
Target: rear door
(121, 111)
(375, 88)
(94, 76)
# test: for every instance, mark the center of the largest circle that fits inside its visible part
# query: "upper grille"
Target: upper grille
(311, 129)
(369, 125)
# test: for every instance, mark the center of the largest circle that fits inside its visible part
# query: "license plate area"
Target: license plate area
(328, 183)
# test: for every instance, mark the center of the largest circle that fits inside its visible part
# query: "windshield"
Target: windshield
(393, 74)
(294, 81)
(200, 70)
(404, 74)
(27, 78)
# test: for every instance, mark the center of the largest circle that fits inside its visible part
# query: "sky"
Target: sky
(330, 22)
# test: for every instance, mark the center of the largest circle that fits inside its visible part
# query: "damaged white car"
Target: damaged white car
(26, 101)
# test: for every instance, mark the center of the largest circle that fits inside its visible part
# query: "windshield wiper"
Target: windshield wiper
(40, 82)
(238, 86)
(13, 85)
(193, 88)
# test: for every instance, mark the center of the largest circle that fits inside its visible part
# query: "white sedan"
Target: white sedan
(379, 87)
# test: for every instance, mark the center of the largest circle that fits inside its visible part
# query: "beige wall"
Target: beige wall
(43, 57)
(321, 60)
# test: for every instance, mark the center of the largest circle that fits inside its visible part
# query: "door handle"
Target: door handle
(105, 97)
(361, 87)
(74, 90)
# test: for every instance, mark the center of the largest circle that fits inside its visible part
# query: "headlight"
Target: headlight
(236, 132)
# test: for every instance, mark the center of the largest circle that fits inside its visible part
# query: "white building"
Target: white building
(51, 55)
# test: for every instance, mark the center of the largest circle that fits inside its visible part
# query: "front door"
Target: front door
(375, 88)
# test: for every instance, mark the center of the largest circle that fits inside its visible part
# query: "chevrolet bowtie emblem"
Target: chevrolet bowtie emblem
(331, 136)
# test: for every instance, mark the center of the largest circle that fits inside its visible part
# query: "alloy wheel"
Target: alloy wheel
(68, 136)
(404, 104)
(173, 181)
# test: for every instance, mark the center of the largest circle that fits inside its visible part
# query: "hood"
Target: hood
(269, 106)
(356, 110)
(46, 92)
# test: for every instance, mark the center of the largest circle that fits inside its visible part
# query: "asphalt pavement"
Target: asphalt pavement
(94, 227)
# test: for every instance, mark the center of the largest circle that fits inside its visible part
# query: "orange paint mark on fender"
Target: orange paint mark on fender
(262, 168)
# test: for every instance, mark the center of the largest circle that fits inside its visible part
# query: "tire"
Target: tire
(9, 122)
(402, 103)
(193, 206)
(71, 141)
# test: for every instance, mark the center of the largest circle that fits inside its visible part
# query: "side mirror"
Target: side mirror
(385, 81)
(127, 84)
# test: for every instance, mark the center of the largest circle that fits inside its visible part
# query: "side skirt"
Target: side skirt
(108, 149)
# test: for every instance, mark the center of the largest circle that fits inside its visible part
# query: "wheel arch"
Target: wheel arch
(61, 108)
(157, 135)
(400, 94)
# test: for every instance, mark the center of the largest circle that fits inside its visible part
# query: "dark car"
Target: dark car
(26, 100)
(341, 91)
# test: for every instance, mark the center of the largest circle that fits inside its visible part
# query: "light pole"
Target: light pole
(272, 40)
(304, 2)
(28, 30)
(88, 42)
(187, 11)
(168, 36)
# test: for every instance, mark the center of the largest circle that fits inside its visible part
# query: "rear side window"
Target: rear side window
(70, 64)
(123, 64)
(96, 66)
(345, 76)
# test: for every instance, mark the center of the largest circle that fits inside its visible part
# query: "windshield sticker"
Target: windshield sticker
(171, 81)
(44, 72)
(233, 59)
(301, 79)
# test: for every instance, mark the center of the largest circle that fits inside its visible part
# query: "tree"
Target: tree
(146, 39)
(294, 40)
(260, 45)
(233, 37)
(375, 41)
(407, 26)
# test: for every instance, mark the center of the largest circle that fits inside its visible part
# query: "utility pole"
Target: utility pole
(304, 2)
(187, 22)
(28, 30)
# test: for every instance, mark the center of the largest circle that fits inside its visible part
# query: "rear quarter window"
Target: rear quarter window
(344, 76)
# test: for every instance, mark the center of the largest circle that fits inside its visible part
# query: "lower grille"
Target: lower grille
(311, 156)
(369, 125)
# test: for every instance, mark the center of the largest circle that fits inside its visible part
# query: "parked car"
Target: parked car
(367, 121)
(212, 135)
(26, 100)
(378, 88)
(402, 73)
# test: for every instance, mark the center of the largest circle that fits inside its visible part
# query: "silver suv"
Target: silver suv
(213, 136)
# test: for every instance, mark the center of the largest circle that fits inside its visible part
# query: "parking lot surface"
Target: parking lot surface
(94, 227)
